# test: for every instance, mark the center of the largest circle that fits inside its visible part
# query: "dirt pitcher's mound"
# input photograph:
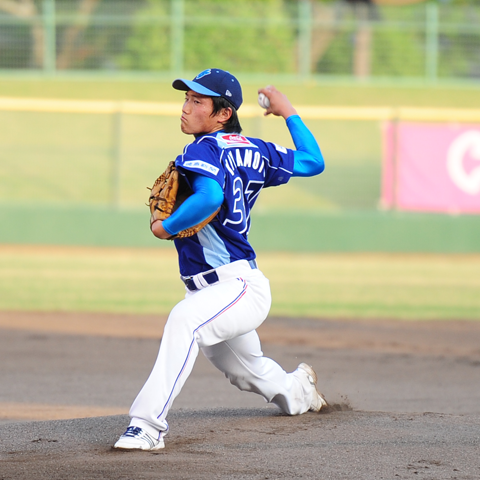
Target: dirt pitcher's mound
(457, 338)
(405, 397)
(250, 444)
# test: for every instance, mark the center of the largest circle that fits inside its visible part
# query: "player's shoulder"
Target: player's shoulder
(225, 141)
(205, 145)
(234, 140)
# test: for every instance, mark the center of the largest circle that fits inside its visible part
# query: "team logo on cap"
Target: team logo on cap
(203, 74)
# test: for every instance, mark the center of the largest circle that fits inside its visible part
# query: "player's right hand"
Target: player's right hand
(280, 105)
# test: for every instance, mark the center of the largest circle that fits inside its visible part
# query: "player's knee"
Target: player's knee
(240, 382)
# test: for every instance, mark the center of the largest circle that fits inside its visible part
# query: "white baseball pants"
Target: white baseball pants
(220, 320)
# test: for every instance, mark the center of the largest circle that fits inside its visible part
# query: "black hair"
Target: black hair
(232, 125)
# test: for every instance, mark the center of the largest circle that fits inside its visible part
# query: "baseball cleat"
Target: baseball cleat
(318, 400)
(136, 438)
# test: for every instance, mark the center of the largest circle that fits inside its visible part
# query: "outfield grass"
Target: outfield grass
(309, 285)
(62, 157)
(68, 158)
(304, 93)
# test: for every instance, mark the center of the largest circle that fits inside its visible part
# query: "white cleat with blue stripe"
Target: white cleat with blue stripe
(136, 438)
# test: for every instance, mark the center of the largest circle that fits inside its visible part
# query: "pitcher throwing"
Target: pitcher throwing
(227, 296)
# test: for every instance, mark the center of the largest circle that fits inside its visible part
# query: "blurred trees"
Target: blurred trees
(31, 11)
(363, 38)
(217, 32)
(389, 38)
(28, 9)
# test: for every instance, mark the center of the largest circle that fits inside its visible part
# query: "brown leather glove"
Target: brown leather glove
(168, 192)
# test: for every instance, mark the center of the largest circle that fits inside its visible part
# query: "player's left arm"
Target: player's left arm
(308, 158)
(206, 199)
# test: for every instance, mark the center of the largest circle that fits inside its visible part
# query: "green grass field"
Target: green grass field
(302, 93)
(54, 158)
(68, 157)
(310, 285)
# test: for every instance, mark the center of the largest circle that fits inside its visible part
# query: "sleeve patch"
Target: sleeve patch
(280, 148)
(202, 166)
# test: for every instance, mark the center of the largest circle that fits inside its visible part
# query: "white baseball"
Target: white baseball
(263, 100)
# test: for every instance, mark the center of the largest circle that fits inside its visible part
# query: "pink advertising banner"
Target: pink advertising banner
(431, 167)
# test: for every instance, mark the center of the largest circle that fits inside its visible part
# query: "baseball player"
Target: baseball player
(227, 296)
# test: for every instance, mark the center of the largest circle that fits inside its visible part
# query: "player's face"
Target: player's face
(197, 116)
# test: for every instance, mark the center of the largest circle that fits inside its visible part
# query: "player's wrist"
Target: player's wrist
(158, 230)
(292, 118)
(289, 112)
(165, 226)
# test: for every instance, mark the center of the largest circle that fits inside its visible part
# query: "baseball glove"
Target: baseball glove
(169, 191)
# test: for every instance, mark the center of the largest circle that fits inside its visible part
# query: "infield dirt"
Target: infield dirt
(405, 402)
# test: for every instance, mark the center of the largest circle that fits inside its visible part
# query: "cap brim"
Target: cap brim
(185, 85)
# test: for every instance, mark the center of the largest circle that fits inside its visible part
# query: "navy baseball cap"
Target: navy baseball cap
(213, 83)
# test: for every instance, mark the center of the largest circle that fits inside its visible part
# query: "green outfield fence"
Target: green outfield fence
(430, 41)
(367, 231)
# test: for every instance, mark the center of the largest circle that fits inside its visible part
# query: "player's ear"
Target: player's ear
(225, 114)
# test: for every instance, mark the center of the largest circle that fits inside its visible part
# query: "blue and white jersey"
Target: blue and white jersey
(242, 166)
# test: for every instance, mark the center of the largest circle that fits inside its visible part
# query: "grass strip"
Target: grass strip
(145, 281)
